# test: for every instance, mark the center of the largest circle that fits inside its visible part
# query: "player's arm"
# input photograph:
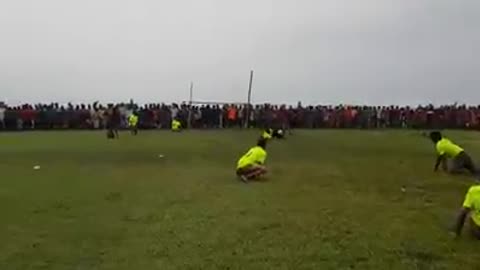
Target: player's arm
(460, 221)
(462, 215)
(440, 160)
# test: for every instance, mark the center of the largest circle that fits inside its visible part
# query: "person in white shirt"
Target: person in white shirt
(2, 116)
(174, 111)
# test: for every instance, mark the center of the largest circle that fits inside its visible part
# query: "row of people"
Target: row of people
(94, 116)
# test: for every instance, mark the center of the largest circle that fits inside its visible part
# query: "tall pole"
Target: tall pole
(191, 92)
(190, 102)
(249, 99)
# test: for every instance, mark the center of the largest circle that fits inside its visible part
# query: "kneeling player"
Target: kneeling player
(446, 149)
(251, 165)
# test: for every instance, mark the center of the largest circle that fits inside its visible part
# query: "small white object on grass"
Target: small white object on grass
(36, 167)
(403, 189)
(161, 156)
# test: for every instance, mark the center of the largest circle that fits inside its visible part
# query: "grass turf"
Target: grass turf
(333, 200)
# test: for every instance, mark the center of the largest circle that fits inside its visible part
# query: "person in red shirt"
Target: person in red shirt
(28, 117)
(232, 115)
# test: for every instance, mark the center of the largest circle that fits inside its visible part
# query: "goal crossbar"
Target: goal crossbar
(216, 103)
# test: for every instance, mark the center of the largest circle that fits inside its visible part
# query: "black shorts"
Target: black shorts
(246, 170)
(463, 161)
(242, 171)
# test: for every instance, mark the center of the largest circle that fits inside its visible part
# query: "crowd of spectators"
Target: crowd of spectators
(159, 116)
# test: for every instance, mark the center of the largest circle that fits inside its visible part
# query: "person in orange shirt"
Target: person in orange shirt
(232, 116)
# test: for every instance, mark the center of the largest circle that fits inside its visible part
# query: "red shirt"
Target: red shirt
(27, 114)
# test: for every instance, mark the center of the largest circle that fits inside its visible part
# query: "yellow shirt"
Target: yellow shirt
(255, 156)
(448, 148)
(267, 134)
(472, 202)
(176, 125)
(133, 120)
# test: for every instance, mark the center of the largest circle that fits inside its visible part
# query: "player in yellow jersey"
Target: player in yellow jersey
(251, 166)
(447, 150)
(176, 125)
(470, 208)
(133, 123)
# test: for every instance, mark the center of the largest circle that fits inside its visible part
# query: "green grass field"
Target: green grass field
(333, 200)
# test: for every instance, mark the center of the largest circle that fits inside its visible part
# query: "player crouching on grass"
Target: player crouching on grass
(471, 207)
(133, 123)
(446, 149)
(251, 165)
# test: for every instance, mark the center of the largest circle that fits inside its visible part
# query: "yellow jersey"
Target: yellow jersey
(176, 125)
(472, 202)
(133, 120)
(267, 134)
(255, 156)
(448, 148)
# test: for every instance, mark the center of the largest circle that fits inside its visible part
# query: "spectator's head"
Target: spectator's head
(435, 136)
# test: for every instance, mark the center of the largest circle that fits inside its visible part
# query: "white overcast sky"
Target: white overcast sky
(314, 51)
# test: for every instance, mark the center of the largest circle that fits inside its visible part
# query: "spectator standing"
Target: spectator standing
(232, 115)
(174, 111)
(2, 115)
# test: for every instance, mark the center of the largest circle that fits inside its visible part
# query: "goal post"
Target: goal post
(221, 104)
(249, 99)
(246, 105)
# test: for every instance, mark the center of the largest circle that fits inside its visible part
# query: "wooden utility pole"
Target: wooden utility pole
(190, 102)
(249, 100)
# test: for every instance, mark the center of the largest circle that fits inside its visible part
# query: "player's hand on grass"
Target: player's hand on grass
(453, 235)
(452, 232)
